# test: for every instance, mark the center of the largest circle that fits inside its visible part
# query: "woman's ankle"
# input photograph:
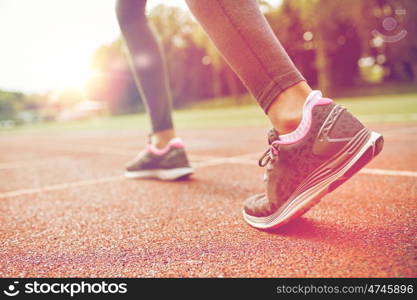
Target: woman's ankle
(161, 139)
(286, 112)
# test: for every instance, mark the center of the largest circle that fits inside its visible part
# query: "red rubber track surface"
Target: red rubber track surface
(136, 228)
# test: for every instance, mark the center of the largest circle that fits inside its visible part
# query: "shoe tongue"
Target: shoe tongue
(273, 136)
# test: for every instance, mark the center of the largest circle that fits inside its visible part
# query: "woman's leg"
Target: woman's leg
(148, 67)
(245, 39)
(327, 147)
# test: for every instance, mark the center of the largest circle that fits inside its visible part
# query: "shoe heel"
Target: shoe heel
(375, 145)
(378, 145)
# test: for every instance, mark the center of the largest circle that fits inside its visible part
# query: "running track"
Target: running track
(66, 211)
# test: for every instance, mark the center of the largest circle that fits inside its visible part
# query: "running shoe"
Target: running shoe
(170, 163)
(328, 147)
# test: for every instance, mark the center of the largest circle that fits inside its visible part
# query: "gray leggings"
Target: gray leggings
(239, 31)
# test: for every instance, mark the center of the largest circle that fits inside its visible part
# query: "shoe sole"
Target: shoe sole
(329, 180)
(163, 174)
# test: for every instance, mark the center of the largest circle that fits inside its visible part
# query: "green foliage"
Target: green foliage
(10, 104)
(197, 71)
(325, 38)
(223, 113)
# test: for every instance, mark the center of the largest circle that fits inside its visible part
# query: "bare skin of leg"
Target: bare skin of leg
(286, 112)
(161, 138)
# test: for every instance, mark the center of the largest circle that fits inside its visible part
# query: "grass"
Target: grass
(223, 113)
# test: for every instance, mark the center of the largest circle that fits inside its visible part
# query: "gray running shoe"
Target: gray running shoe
(300, 173)
(167, 164)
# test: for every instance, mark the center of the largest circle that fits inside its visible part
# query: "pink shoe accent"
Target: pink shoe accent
(274, 150)
(175, 142)
(324, 101)
(300, 133)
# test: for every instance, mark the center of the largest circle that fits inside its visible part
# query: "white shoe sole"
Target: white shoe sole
(163, 174)
(311, 196)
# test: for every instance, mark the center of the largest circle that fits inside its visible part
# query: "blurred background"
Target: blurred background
(63, 61)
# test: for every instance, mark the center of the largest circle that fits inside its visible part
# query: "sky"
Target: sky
(47, 44)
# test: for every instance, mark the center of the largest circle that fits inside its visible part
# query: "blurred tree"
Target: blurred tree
(332, 42)
(333, 27)
(325, 38)
(10, 104)
(197, 70)
(175, 29)
(286, 22)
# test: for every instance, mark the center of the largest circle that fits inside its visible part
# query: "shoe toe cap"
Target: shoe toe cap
(131, 166)
(258, 206)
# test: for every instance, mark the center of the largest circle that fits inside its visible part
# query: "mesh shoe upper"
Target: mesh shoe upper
(331, 129)
(174, 158)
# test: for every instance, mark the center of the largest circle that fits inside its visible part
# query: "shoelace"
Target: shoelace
(269, 154)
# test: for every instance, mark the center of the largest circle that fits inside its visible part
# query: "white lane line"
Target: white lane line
(102, 150)
(388, 118)
(26, 163)
(79, 148)
(56, 187)
(38, 161)
(62, 186)
(388, 172)
(397, 134)
(400, 131)
(383, 172)
(405, 138)
(242, 160)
